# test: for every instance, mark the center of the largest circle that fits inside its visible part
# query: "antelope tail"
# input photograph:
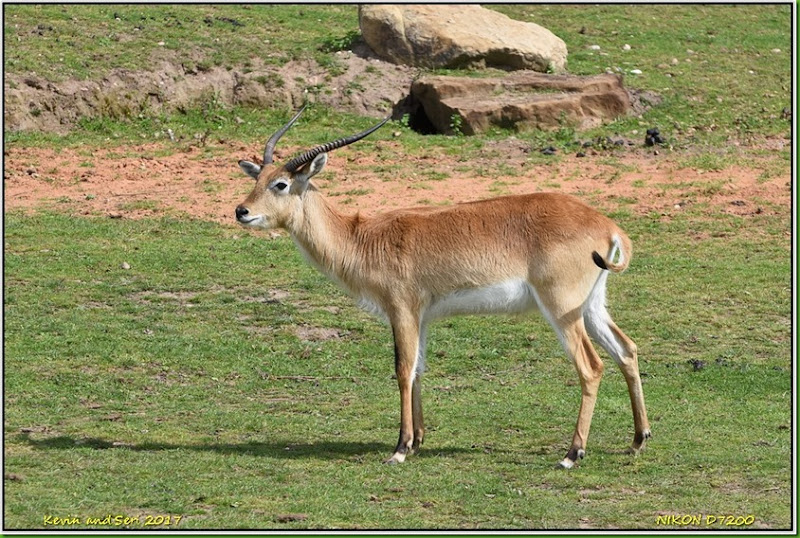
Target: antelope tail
(621, 248)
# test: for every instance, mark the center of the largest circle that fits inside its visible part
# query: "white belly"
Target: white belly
(509, 297)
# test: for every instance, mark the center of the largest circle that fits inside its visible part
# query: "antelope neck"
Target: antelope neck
(324, 237)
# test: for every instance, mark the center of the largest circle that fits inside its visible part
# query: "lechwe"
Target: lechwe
(544, 251)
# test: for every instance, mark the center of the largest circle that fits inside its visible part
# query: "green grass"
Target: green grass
(180, 387)
(155, 367)
(83, 41)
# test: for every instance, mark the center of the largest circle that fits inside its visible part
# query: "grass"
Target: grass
(178, 368)
(185, 377)
(83, 41)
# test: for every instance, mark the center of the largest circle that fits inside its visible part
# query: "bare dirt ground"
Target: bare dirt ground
(206, 183)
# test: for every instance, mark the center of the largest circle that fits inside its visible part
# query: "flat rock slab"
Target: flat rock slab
(459, 36)
(522, 100)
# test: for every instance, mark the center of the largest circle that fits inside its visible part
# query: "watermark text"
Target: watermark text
(705, 520)
(112, 520)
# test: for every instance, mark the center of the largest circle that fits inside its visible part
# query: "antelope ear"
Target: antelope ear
(308, 171)
(316, 165)
(251, 169)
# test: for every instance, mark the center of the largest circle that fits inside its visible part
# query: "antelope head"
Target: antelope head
(279, 190)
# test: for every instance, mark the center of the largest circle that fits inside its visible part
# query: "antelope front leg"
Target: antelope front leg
(406, 353)
(416, 391)
(416, 407)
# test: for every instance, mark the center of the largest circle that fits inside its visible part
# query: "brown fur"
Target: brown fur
(405, 261)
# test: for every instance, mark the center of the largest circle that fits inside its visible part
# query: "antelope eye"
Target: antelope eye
(280, 186)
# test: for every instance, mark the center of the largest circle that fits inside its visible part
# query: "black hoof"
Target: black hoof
(572, 458)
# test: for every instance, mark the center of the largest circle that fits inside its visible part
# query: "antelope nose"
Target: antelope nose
(241, 211)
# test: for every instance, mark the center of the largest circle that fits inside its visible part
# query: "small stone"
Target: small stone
(653, 137)
(697, 365)
(626, 47)
(776, 51)
(674, 61)
(125, 265)
(636, 71)
(594, 47)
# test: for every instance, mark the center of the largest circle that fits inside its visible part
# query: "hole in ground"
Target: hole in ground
(417, 118)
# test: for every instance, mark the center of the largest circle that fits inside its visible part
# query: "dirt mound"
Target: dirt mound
(359, 83)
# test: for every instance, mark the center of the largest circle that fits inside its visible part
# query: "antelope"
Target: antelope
(545, 251)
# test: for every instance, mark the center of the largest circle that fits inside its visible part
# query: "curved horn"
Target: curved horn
(270, 147)
(300, 160)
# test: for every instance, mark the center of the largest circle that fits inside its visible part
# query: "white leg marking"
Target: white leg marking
(396, 458)
(596, 320)
(419, 365)
(567, 463)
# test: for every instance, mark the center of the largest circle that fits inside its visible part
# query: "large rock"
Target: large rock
(522, 100)
(457, 36)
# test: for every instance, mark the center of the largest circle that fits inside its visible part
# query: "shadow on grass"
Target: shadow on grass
(283, 449)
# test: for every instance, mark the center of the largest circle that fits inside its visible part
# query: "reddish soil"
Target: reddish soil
(206, 183)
